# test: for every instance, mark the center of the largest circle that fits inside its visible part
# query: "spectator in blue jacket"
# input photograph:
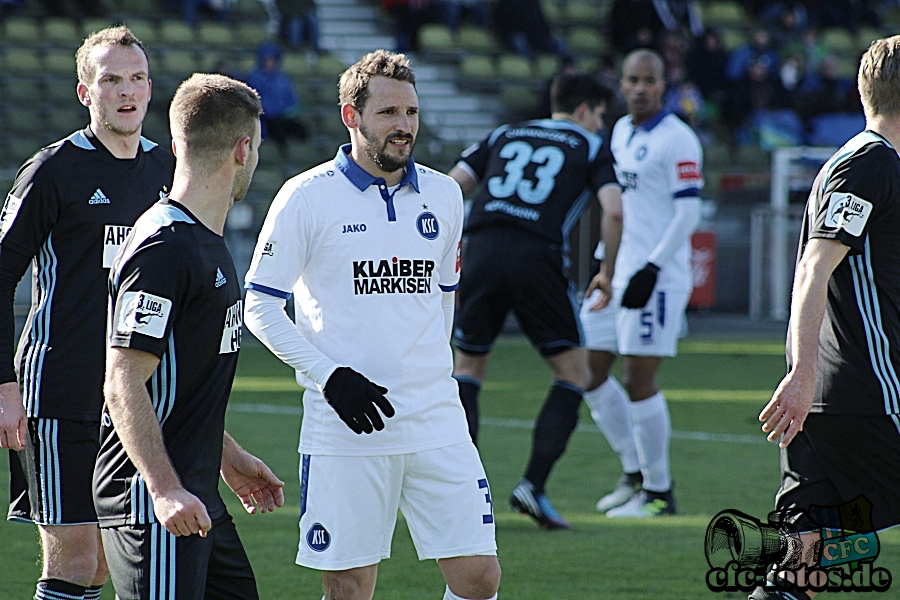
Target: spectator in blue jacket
(281, 107)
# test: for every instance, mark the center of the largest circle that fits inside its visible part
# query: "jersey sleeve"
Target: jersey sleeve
(282, 249)
(28, 215)
(450, 261)
(685, 166)
(476, 158)
(855, 193)
(154, 286)
(603, 169)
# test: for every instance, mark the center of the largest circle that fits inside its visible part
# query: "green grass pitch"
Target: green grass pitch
(719, 461)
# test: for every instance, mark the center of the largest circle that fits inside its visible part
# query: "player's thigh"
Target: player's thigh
(229, 575)
(57, 466)
(447, 503)
(653, 330)
(70, 551)
(599, 326)
(483, 298)
(547, 307)
(348, 509)
(146, 562)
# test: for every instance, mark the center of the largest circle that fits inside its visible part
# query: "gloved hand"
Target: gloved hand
(640, 287)
(354, 398)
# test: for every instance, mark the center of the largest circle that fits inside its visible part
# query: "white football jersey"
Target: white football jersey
(367, 267)
(658, 162)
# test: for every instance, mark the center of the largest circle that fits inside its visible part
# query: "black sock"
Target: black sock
(552, 431)
(93, 592)
(468, 394)
(47, 587)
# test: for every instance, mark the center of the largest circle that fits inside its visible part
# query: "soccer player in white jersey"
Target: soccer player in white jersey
(368, 244)
(659, 160)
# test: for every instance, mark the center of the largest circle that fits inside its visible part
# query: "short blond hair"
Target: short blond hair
(119, 35)
(879, 78)
(354, 83)
(208, 115)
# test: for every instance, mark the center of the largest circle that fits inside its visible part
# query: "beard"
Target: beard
(380, 156)
(241, 183)
(105, 124)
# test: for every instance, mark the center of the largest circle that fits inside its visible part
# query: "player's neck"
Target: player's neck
(886, 127)
(208, 198)
(120, 146)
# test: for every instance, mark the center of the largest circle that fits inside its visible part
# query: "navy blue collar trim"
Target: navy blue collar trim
(362, 179)
(653, 121)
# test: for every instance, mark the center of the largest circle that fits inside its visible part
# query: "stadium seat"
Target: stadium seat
(840, 41)
(93, 24)
(513, 66)
(732, 38)
(244, 10)
(295, 64)
(25, 118)
(477, 66)
(20, 146)
(250, 34)
(22, 59)
(156, 127)
(217, 35)
(587, 64)
(64, 120)
(582, 12)
(59, 30)
(519, 98)
(835, 129)
(144, 30)
(724, 13)
(846, 68)
(266, 182)
(546, 66)
(59, 60)
(176, 32)
(22, 29)
(436, 38)
(476, 39)
(179, 63)
(553, 12)
(586, 40)
(60, 88)
(22, 89)
(329, 66)
(867, 35)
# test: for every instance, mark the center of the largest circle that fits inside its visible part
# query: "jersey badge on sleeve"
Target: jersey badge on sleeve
(427, 224)
(8, 214)
(458, 255)
(848, 212)
(689, 170)
(143, 313)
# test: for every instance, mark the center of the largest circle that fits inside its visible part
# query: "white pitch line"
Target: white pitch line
(701, 436)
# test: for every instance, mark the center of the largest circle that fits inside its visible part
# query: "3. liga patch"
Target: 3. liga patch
(318, 538)
(140, 312)
(427, 224)
(848, 212)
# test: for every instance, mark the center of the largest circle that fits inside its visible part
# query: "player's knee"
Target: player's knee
(347, 585)
(101, 574)
(482, 579)
(74, 565)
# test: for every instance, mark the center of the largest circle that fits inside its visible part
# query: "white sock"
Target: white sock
(609, 408)
(448, 595)
(652, 429)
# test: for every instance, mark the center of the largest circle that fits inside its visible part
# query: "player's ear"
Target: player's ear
(174, 148)
(349, 115)
(242, 150)
(83, 94)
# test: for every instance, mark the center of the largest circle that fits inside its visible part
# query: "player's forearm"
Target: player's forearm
(12, 267)
(264, 316)
(230, 449)
(610, 230)
(679, 230)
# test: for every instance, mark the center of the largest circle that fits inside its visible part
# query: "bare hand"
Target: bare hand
(253, 482)
(181, 513)
(13, 423)
(600, 282)
(787, 410)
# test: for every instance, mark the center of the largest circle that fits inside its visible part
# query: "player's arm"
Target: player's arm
(138, 428)
(28, 215)
(787, 410)
(465, 177)
(610, 197)
(250, 479)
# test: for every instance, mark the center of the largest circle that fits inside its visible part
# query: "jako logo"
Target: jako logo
(318, 538)
(427, 224)
(355, 228)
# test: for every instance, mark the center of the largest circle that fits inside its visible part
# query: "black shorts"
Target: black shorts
(837, 458)
(146, 562)
(51, 479)
(504, 269)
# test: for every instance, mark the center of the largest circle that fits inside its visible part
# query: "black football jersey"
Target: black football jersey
(538, 176)
(71, 206)
(174, 292)
(856, 200)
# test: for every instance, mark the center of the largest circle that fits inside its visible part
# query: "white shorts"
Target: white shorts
(599, 326)
(348, 506)
(653, 330)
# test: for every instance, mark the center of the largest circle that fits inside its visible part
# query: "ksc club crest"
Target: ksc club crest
(427, 224)
(318, 538)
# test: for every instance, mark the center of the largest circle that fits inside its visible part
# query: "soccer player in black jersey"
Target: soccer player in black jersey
(70, 207)
(538, 177)
(836, 414)
(174, 333)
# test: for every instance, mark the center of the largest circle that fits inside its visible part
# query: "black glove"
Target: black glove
(354, 398)
(640, 287)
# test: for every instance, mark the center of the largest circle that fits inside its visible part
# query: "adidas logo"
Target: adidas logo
(220, 279)
(98, 198)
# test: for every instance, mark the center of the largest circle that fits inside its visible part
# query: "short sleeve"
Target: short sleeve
(476, 157)
(603, 169)
(282, 249)
(154, 286)
(685, 168)
(450, 261)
